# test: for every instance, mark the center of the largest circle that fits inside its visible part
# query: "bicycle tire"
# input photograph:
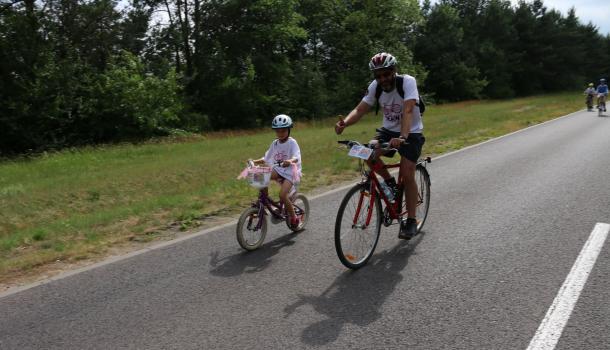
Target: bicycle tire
(422, 178)
(301, 208)
(344, 229)
(246, 224)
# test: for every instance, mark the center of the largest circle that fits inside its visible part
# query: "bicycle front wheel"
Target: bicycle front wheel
(251, 229)
(422, 178)
(355, 239)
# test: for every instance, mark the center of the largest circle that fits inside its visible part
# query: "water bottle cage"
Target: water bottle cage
(388, 191)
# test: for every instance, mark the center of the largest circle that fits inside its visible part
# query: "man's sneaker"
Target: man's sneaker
(408, 229)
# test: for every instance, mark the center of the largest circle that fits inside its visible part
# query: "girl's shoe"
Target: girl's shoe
(294, 222)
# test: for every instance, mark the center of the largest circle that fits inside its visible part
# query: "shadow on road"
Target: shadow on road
(249, 262)
(355, 296)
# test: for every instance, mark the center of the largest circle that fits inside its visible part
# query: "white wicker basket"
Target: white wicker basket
(259, 177)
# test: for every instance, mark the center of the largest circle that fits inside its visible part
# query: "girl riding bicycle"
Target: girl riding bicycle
(284, 155)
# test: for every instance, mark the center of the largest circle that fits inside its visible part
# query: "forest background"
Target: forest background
(81, 72)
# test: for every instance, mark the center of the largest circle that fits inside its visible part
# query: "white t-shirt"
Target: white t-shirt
(392, 105)
(284, 151)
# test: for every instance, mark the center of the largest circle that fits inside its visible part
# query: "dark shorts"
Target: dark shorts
(410, 150)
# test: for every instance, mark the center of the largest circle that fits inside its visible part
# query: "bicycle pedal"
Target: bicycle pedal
(387, 219)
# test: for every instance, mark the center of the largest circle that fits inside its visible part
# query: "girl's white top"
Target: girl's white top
(283, 151)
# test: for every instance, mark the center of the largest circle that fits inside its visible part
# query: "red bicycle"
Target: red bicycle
(360, 214)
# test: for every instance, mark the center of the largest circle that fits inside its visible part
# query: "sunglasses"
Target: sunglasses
(385, 74)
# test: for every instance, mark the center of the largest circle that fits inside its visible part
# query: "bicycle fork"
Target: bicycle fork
(363, 200)
(261, 217)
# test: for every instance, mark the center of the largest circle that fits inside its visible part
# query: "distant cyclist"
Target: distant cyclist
(602, 94)
(402, 127)
(590, 93)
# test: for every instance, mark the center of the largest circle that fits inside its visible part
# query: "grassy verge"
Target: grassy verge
(76, 204)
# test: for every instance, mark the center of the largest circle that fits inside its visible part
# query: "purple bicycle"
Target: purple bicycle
(252, 224)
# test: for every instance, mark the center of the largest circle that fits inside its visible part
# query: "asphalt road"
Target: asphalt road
(508, 219)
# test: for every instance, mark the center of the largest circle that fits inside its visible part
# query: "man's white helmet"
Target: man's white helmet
(382, 60)
(281, 121)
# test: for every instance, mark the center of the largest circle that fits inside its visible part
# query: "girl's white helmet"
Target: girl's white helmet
(281, 121)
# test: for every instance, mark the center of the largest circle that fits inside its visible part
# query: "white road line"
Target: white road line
(557, 316)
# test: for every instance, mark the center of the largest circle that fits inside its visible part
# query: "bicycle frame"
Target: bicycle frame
(276, 209)
(589, 101)
(375, 186)
(601, 100)
(394, 209)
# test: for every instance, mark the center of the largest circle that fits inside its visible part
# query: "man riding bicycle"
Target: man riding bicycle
(602, 94)
(402, 128)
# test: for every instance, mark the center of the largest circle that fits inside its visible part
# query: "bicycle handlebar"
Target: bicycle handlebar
(384, 146)
(251, 164)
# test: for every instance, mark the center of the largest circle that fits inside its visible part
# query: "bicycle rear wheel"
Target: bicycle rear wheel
(355, 241)
(249, 236)
(422, 178)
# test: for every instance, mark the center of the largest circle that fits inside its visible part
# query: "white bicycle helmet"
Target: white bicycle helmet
(382, 60)
(281, 121)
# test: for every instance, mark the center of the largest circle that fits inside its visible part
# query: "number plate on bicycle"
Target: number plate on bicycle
(359, 151)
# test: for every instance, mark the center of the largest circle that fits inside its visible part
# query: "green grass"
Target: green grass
(76, 204)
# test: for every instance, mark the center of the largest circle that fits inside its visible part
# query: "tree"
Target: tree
(25, 57)
(526, 77)
(452, 73)
(244, 74)
(496, 42)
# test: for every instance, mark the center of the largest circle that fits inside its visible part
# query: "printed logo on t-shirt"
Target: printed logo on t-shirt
(392, 112)
(280, 156)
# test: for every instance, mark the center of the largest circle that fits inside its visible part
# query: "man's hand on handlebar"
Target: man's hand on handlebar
(396, 142)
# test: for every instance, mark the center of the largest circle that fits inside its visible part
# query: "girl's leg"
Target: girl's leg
(274, 177)
(284, 196)
(285, 187)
